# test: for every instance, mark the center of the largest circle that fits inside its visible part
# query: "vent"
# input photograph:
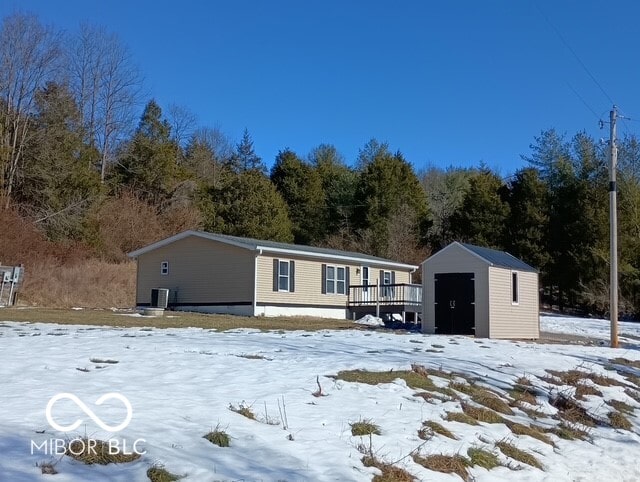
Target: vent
(159, 298)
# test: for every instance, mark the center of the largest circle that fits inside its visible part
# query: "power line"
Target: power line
(575, 55)
(584, 102)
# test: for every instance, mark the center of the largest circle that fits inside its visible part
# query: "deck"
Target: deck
(400, 298)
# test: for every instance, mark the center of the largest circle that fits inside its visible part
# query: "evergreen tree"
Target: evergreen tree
(483, 212)
(527, 227)
(386, 184)
(301, 187)
(59, 181)
(339, 185)
(148, 164)
(248, 205)
(244, 158)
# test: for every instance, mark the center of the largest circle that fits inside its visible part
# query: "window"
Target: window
(335, 280)
(514, 288)
(284, 273)
(283, 276)
(164, 268)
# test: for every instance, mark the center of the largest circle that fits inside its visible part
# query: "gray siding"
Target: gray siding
(201, 271)
(509, 320)
(455, 259)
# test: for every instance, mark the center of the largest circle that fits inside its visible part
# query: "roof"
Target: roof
(275, 247)
(493, 257)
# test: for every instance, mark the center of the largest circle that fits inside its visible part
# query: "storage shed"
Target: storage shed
(471, 290)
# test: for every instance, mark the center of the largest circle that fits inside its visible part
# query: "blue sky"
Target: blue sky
(446, 83)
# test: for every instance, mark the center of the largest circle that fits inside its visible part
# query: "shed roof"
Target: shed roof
(493, 257)
(275, 247)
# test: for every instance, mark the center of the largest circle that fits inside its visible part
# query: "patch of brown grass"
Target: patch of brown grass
(411, 378)
(523, 393)
(435, 427)
(571, 411)
(173, 319)
(524, 381)
(483, 396)
(243, 410)
(619, 421)
(364, 427)
(483, 458)
(515, 453)
(626, 362)
(84, 282)
(633, 394)
(461, 418)
(568, 432)
(482, 414)
(390, 473)
(583, 389)
(447, 464)
(160, 474)
(93, 451)
(574, 377)
(531, 431)
(622, 406)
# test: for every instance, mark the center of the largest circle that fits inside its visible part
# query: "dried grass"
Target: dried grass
(531, 431)
(390, 473)
(619, 421)
(482, 414)
(483, 396)
(483, 458)
(364, 427)
(160, 474)
(85, 283)
(93, 451)
(515, 453)
(447, 464)
(461, 418)
(439, 429)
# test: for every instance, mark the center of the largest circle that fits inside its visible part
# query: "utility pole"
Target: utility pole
(613, 230)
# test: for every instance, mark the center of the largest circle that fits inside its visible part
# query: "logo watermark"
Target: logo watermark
(77, 446)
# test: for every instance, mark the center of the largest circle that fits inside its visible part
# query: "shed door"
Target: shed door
(454, 303)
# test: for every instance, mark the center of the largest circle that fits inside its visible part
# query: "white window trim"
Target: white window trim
(517, 302)
(335, 279)
(164, 268)
(287, 276)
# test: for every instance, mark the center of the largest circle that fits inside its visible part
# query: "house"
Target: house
(218, 273)
(473, 290)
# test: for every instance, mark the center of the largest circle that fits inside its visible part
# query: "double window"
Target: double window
(335, 279)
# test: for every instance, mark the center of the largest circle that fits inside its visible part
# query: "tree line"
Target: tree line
(79, 162)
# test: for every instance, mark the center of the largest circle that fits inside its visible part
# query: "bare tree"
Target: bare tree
(29, 55)
(108, 87)
(183, 123)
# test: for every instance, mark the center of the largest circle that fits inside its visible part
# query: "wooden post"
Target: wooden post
(377, 298)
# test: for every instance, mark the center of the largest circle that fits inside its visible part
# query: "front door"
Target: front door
(366, 294)
(455, 303)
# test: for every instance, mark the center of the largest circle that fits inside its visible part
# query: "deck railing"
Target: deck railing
(392, 294)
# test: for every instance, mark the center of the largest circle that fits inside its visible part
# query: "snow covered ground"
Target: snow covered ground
(181, 382)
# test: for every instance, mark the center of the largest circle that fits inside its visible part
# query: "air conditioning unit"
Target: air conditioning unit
(159, 298)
